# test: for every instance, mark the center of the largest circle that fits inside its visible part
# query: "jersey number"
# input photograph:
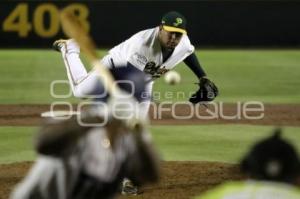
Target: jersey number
(18, 19)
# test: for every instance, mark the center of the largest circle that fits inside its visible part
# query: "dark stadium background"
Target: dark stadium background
(211, 23)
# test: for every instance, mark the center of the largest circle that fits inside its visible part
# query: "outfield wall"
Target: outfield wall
(216, 23)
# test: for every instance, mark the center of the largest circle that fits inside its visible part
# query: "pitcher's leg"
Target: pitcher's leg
(83, 84)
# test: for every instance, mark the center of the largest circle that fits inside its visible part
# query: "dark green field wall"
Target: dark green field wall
(212, 23)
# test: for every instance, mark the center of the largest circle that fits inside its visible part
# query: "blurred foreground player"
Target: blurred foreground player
(273, 168)
(87, 162)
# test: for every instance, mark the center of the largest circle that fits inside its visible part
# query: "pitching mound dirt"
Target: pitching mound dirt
(180, 180)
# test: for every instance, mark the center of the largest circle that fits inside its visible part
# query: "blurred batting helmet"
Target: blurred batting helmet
(273, 159)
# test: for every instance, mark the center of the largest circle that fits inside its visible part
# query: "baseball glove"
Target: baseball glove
(207, 91)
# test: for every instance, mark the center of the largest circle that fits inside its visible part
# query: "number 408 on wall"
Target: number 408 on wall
(18, 19)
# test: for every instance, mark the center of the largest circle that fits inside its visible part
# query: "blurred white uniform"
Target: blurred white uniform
(142, 50)
(90, 168)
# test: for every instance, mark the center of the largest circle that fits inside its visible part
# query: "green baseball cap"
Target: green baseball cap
(174, 22)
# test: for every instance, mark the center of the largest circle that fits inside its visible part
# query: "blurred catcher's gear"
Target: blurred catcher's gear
(128, 188)
(272, 159)
(207, 91)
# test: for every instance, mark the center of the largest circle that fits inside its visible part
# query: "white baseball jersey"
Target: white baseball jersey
(143, 50)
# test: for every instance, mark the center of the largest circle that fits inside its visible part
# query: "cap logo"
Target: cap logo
(178, 22)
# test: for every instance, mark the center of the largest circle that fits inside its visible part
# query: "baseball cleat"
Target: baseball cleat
(59, 44)
(128, 188)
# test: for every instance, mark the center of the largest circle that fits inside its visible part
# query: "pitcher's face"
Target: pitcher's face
(168, 39)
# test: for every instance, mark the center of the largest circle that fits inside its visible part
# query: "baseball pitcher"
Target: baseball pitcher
(154, 51)
(78, 162)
